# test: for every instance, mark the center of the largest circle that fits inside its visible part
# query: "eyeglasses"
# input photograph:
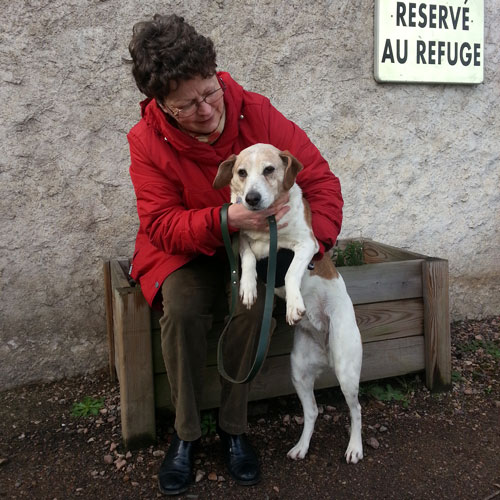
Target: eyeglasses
(192, 108)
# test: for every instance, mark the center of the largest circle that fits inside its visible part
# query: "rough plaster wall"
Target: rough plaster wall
(419, 164)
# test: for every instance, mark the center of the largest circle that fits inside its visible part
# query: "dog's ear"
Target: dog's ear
(225, 173)
(292, 168)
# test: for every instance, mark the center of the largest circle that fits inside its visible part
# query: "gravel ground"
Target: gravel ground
(417, 444)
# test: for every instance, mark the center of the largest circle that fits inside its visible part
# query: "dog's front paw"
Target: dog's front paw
(354, 453)
(298, 452)
(248, 293)
(295, 310)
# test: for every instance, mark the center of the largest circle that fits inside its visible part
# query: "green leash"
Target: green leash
(265, 329)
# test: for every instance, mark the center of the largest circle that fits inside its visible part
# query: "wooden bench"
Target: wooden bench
(401, 304)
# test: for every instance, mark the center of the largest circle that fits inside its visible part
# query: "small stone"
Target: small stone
(113, 447)
(103, 411)
(128, 455)
(90, 440)
(276, 489)
(134, 483)
(321, 409)
(327, 417)
(372, 442)
(286, 419)
(261, 421)
(383, 428)
(158, 453)
(331, 409)
(221, 479)
(120, 463)
(3, 461)
(126, 478)
(212, 476)
(200, 474)
(468, 391)
(299, 420)
(78, 490)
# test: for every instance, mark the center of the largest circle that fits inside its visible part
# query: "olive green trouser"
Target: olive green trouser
(190, 295)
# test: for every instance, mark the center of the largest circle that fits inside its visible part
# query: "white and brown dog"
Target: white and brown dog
(326, 333)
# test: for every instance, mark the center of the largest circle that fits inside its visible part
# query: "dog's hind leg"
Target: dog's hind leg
(347, 354)
(307, 360)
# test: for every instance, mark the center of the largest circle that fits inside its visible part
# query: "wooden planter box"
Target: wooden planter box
(401, 304)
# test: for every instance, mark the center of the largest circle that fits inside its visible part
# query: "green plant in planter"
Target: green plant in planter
(351, 255)
(87, 407)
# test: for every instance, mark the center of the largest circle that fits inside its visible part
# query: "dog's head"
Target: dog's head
(258, 175)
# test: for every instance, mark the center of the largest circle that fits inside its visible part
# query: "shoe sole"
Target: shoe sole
(173, 492)
(249, 482)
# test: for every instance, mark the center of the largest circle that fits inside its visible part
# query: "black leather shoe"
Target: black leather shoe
(241, 459)
(176, 471)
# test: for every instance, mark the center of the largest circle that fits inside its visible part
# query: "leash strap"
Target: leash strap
(265, 329)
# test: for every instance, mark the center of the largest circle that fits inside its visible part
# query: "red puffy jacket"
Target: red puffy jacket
(172, 174)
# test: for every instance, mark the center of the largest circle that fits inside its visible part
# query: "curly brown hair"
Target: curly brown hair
(166, 50)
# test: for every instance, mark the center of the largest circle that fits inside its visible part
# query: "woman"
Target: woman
(193, 119)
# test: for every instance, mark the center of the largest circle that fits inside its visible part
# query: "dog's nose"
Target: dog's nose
(253, 198)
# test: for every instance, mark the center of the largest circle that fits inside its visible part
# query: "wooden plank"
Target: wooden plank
(393, 319)
(388, 358)
(108, 304)
(125, 265)
(437, 324)
(378, 321)
(375, 252)
(135, 367)
(119, 279)
(383, 282)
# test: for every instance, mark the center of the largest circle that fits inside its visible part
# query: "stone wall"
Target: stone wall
(419, 164)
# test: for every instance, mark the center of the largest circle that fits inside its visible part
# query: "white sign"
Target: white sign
(436, 41)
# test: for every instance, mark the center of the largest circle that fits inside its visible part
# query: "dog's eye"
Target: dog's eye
(242, 173)
(269, 170)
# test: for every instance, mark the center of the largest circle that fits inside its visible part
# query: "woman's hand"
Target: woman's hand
(240, 217)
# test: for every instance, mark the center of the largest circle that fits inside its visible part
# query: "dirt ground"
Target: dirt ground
(417, 445)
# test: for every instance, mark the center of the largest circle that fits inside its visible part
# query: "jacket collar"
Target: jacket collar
(190, 146)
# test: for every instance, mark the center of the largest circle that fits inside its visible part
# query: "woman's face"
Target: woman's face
(206, 117)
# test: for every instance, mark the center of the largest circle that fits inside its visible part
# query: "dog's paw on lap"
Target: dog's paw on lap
(295, 309)
(248, 293)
